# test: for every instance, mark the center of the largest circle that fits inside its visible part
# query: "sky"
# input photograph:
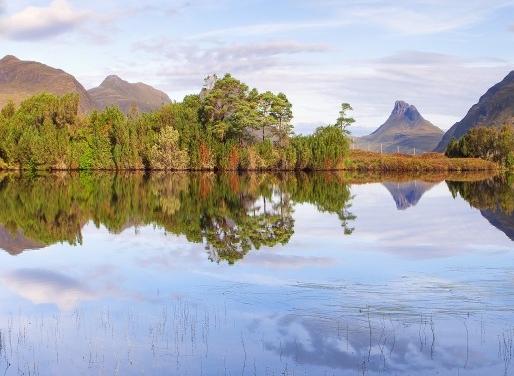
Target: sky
(439, 56)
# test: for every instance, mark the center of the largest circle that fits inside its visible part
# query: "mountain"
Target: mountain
(407, 194)
(404, 131)
(115, 91)
(21, 79)
(494, 108)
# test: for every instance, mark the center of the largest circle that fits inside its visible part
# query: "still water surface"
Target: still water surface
(256, 275)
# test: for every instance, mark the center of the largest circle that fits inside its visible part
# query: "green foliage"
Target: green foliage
(283, 114)
(329, 148)
(225, 109)
(166, 153)
(303, 150)
(489, 143)
(228, 126)
(98, 139)
(288, 158)
(267, 155)
(273, 117)
(343, 121)
(35, 135)
(495, 194)
(191, 131)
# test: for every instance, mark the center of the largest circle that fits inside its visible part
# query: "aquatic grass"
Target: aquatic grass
(183, 337)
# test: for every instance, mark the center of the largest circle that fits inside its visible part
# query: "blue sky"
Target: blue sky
(440, 56)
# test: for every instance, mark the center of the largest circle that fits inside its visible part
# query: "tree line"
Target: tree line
(495, 144)
(227, 126)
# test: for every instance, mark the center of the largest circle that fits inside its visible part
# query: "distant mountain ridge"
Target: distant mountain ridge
(115, 91)
(22, 79)
(404, 131)
(494, 109)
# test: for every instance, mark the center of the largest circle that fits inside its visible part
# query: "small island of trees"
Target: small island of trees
(227, 126)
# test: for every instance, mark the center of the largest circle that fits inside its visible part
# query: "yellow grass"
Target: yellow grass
(360, 160)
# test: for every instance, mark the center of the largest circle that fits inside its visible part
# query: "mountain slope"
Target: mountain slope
(115, 91)
(495, 108)
(21, 79)
(404, 131)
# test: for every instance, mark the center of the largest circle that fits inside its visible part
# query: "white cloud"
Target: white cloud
(417, 17)
(35, 23)
(183, 65)
(270, 29)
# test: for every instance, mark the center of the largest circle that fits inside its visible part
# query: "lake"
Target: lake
(256, 274)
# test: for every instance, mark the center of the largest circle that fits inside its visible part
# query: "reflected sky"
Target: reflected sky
(426, 290)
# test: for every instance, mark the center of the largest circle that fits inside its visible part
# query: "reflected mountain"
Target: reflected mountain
(494, 197)
(407, 194)
(502, 221)
(16, 243)
(230, 213)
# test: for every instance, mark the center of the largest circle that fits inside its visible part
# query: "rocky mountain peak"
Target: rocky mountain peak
(113, 80)
(399, 108)
(404, 131)
(402, 108)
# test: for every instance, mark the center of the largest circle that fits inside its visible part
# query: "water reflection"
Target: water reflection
(407, 194)
(230, 213)
(126, 284)
(15, 243)
(42, 286)
(494, 197)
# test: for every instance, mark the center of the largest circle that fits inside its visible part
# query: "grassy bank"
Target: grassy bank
(360, 160)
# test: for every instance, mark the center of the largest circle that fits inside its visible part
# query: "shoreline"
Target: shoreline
(356, 161)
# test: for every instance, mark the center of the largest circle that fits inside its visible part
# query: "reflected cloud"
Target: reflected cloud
(280, 261)
(374, 344)
(42, 286)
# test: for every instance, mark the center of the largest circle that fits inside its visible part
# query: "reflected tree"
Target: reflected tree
(230, 213)
(330, 193)
(494, 197)
(495, 193)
